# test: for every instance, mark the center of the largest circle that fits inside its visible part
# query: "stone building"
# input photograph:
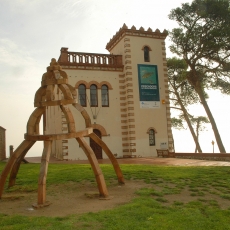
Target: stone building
(2, 143)
(124, 92)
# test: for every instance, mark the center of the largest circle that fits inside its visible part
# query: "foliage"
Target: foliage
(203, 41)
(199, 123)
(177, 123)
(179, 88)
(149, 210)
(181, 94)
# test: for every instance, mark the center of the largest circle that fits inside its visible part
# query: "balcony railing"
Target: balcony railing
(89, 59)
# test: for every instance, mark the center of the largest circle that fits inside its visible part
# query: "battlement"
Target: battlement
(134, 32)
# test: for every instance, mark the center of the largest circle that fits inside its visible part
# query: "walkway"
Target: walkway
(147, 161)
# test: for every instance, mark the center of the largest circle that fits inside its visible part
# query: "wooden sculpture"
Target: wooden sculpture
(44, 97)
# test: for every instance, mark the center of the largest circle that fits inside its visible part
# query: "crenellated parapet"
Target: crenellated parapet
(124, 30)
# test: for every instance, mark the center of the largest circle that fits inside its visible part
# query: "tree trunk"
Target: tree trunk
(197, 135)
(200, 92)
(192, 132)
(173, 144)
(189, 123)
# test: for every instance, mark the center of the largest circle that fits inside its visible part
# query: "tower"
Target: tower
(143, 89)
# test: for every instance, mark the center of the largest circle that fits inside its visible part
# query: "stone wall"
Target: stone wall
(204, 156)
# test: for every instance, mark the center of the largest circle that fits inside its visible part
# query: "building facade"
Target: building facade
(124, 92)
(2, 143)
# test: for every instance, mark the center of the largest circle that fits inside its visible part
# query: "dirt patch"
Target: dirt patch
(79, 198)
(70, 198)
(186, 196)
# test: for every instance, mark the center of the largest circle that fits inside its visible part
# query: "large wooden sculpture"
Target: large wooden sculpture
(44, 97)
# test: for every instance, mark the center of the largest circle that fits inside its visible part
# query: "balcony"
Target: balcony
(90, 61)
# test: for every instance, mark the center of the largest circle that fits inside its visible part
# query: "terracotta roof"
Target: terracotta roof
(134, 32)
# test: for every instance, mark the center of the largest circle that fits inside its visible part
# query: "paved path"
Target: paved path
(147, 161)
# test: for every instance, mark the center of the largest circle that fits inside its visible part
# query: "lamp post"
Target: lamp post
(213, 146)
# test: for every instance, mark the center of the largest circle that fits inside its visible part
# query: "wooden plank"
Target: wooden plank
(69, 118)
(43, 173)
(11, 162)
(72, 90)
(78, 107)
(39, 94)
(110, 156)
(53, 103)
(60, 136)
(49, 92)
(66, 91)
(95, 166)
(87, 118)
(54, 81)
(16, 166)
(31, 124)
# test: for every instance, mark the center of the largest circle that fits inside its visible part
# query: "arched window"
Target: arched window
(104, 96)
(151, 137)
(146, 54)
(82, 95)
(93, 96)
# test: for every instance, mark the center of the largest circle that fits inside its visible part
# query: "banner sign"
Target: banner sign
(148, 86)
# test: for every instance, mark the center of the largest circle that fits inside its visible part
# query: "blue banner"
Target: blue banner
(148, 86)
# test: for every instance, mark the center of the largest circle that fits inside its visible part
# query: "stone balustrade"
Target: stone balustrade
(89, 59)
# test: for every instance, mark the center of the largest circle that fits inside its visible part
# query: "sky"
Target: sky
(33, 31)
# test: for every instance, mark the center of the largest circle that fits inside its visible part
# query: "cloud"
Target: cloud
(20, 72)
(22, 5)
(13, 55)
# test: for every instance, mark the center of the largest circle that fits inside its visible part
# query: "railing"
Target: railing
(89, 59)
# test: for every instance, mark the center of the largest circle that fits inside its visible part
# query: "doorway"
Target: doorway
(95, 147)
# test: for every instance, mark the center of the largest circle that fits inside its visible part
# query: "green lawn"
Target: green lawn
(150, 210)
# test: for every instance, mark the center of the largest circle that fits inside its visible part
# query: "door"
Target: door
(95, 147)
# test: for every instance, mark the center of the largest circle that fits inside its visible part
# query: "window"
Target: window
(146, 54)
(93, 95)
(151, 137)
(104, 96)
(82, 95)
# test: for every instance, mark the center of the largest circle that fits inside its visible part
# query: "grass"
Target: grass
(150, 210)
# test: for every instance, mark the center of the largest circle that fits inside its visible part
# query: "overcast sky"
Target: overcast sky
(32, 32)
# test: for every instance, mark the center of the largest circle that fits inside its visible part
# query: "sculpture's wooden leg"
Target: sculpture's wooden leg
(42, 176)
(95, 166)
(110, 156)
(21, 148)
(16, 166)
